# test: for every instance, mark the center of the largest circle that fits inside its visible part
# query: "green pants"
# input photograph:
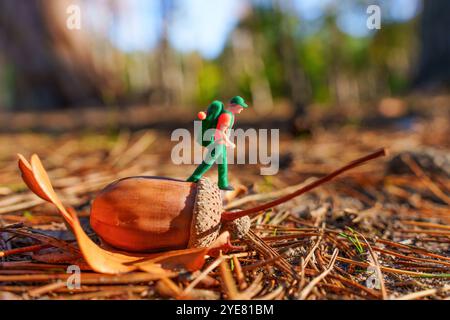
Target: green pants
(215, 152)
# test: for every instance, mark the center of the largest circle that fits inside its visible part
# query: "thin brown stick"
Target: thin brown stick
(33, 248)
(424, 293)
(86, 278)
(202, 275)
(267, 251)
(271, 295)
(34, 293)
(242, 283)
(425, 179)
(378, 268)
(227, 281)
(426, 224)
(391, 270)
(413, 249)
(305, 292)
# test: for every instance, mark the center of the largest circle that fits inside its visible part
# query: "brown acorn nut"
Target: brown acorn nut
(152, 214)
(147, 214)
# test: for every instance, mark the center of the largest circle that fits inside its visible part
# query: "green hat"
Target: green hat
(238, 100)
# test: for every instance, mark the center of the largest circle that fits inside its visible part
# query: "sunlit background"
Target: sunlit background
(186, 53)
(205, 26)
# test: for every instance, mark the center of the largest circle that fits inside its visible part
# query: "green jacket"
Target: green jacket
(214, 111)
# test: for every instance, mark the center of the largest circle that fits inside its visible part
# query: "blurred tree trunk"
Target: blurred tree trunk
(169, 85)
(52, 65)
(293, 72)
(434, 63)
(247, 58)
(266, 36)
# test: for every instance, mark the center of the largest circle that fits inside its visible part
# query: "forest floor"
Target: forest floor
(380, 231)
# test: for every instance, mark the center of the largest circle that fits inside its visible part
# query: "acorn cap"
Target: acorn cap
(238, 228)
(205, 225)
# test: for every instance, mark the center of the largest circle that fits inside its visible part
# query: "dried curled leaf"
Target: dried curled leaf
(109, 260)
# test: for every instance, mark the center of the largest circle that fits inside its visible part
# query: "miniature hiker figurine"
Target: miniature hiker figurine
(220, 119)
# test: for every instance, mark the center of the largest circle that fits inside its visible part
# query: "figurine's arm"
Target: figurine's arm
(221, 134)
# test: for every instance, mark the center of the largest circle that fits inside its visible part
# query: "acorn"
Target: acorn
(145, 214)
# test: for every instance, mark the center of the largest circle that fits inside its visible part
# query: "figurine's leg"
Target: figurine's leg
(205, 165)
(199, 172)
(223, 171)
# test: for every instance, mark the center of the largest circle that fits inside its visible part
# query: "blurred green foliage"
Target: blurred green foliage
(209, 80)
(271, 54)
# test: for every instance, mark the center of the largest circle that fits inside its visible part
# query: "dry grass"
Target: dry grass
(371, 234)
